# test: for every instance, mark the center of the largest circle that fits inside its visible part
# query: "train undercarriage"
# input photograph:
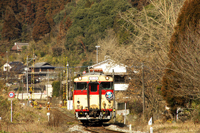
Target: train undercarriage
(94, 115)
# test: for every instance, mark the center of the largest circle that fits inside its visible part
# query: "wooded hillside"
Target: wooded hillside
(69, 28)
(158, 37)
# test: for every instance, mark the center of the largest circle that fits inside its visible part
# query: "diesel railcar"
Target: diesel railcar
(93, 97)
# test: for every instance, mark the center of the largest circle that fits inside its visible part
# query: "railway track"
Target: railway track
(60, 117)
(101, 129)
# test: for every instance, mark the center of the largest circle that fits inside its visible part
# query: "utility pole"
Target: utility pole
(27, 75)
(32, 75)
(65, 89)
(67, 77)
(32, 72)
(113, 76)
(143, 88)
(7, 68)
(97, 53)
(27, 79)
(47, 83)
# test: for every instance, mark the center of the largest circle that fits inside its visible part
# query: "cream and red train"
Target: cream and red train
(93, 97)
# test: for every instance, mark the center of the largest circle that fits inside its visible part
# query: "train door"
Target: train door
(93, 96)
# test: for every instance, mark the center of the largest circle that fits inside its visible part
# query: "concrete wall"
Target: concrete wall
(28, 96)
(121, 87)
(122, 112)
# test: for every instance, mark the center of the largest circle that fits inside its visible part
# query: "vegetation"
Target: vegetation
(181, 80)
(71, 30)
(156, 40)
(56, 88)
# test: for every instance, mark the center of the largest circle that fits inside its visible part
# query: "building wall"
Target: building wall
(121, 87)
(28, 96)
(6, 67)
(108, 67)
(49, 90)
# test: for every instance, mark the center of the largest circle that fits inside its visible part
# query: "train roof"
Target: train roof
(94, 73)
(87, 77)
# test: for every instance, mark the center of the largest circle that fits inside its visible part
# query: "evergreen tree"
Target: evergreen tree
(14, 5)
(181, 80)
(49, 13)
(41, 25)
(30, 14)
(90, 24)
(11, 27)
(56, 88)
(3, 5)
(68, 23)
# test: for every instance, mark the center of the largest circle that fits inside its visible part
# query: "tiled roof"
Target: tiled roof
(18, 46)
(17, 67)
(42, 65)
(14, 63)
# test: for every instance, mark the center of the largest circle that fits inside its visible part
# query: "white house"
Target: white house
(15, 66)
(6, 67)
(120, 73)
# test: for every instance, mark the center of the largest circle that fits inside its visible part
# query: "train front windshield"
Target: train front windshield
(83, 86)
(80, 86)
(107, 85)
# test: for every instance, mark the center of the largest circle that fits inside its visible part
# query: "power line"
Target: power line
(73, 67)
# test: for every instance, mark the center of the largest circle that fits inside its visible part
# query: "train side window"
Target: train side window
(81, 86)
(107, 85)
(93, 87)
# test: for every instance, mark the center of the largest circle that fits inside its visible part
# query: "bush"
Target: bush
(56, 88)
(136, 107)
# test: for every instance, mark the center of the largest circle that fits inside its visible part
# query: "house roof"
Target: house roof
(107, 61)
(42, 65)
(102, 62)
(14, 63)
(16, 66)
(18, 46)
(108, 65)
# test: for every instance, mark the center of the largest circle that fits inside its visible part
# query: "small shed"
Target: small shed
(18, 47)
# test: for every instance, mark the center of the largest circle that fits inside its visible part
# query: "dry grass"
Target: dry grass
(186, 127)
(28, 119)
(167, 127)
(159, 126)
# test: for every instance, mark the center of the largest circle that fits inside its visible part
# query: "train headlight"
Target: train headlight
(78, 102)
(78, 106)
(107, 78)
(79, 78)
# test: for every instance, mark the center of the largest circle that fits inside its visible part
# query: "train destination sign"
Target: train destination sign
(93, 78)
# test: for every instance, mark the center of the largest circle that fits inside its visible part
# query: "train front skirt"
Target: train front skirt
(90, 115)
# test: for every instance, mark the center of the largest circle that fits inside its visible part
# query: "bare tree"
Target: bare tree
(151, 31)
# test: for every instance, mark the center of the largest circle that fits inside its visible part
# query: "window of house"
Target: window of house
(121, 106)
(119, 79)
